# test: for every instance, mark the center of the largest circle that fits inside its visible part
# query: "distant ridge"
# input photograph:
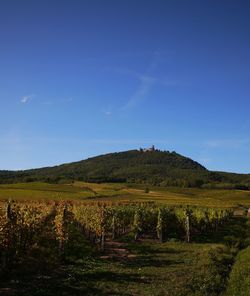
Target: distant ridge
(149, 166)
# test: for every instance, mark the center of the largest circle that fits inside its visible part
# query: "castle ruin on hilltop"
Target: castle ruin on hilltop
(150, 149)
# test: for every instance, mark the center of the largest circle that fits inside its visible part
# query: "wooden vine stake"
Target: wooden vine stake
(159, 226)
(187, 226)
(136, 224)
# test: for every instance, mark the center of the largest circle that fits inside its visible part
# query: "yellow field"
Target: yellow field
(126, 193)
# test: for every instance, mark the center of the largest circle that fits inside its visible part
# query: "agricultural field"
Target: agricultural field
(125, 193)
(118, 239)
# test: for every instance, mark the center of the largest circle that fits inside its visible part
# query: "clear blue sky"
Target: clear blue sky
(81, 78)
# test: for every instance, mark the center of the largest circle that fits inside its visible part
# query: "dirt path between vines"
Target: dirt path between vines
(117, 250)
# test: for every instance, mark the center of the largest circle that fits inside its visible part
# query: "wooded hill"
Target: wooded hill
(160, 168)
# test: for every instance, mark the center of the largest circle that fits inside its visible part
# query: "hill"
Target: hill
(135, 166)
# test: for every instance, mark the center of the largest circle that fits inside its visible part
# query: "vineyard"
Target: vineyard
(99, 247)
(22, 223)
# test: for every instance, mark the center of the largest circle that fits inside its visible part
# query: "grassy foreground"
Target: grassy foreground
(122, 192)
(239, 283)
(171, 268)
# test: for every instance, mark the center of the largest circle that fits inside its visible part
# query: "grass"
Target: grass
(167, 269)
(172, 268)
(122, 192)
(39, 190)
(239, 283)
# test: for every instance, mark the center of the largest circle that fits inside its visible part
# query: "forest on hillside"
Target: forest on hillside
(158, 168)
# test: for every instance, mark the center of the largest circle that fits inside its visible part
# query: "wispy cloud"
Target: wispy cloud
(147, 80)
(108, 111)
(25, 99)
(146, 83)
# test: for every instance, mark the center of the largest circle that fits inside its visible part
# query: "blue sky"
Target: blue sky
(83, 78)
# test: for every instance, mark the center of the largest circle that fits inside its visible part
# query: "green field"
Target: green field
(122, 192)
(168, 269)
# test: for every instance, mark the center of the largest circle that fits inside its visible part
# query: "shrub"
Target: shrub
(239, 282)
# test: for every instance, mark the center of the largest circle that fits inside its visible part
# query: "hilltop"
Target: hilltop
(149, 166)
